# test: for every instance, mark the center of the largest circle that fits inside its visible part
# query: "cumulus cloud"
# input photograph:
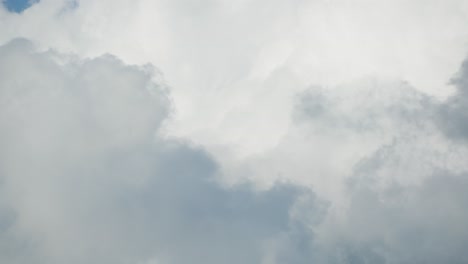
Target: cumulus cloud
(391, 166)
(248, 58)
(87, 179)
(102, 162)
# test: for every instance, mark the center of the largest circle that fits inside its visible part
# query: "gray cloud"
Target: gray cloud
(367, 105)
(405, 200)
(453, 113)
(86, 178)
(398, 223)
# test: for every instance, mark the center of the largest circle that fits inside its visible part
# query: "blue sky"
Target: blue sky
(18, 5)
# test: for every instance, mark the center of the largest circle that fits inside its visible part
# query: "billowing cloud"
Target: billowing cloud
(247, 59)
(386, 157)
(282, 132)
(87, 179)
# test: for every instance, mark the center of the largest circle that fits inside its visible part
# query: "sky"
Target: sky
(248, 131)
(17, 6)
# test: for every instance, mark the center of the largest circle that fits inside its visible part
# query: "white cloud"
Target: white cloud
(225, 56)
(87, 179)
(352, 99)
(392, 162)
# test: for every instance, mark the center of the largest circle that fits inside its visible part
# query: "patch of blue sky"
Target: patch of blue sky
(18, 6)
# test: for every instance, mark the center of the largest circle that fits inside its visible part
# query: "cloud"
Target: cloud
(351, 100)
(396, 180)
(453, 117)
(248, 59)
(334, 128)
(86, 178)
(405, 199)
(401, 223)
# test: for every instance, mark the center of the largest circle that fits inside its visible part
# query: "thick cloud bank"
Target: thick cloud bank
(325, 131)
(86, 179)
